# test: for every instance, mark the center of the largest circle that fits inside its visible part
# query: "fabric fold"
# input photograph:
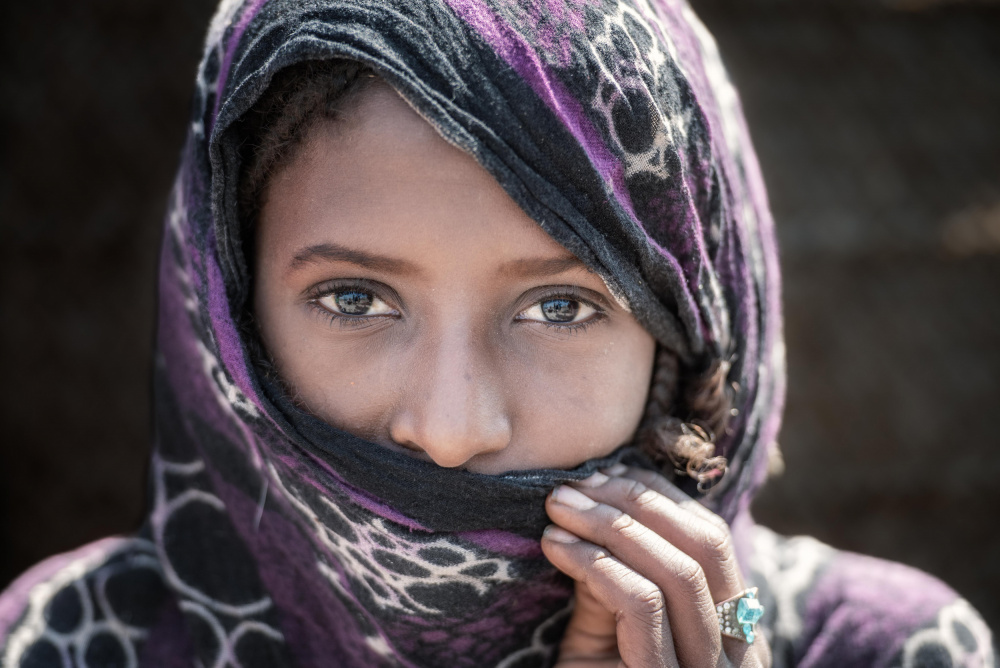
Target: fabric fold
(275, 539)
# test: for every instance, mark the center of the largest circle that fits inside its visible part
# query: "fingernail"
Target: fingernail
(554, 533)
(617, 469)
(572, 498)
(596, 480)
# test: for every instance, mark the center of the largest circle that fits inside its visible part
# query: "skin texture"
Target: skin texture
(458, 369)
(650, 563)
(454, 357)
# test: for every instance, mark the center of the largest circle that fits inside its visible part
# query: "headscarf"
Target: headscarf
(275, 539)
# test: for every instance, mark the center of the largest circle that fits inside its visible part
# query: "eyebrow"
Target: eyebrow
(329, 252)
(543, 266)
(521, 268)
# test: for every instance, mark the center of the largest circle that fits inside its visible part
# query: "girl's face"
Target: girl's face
(407, 299)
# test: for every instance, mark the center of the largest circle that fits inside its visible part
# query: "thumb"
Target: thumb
(591, 633)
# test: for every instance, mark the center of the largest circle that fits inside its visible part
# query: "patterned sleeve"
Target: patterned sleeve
(957, 637)
(103, 604)
(827, 608)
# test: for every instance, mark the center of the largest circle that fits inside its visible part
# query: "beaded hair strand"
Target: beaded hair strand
(684, 414)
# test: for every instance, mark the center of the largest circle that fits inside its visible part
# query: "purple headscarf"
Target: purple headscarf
(275, 539)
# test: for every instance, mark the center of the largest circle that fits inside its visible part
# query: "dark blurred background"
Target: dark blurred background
(878, 127)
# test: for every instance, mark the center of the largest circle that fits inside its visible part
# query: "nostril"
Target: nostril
(409, 446)
(452, 410)
(449, 440)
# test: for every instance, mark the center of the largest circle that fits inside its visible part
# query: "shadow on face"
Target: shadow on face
(407, 299)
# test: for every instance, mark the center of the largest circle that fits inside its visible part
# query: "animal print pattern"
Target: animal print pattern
(805, 608)
(83, 616)
(227, 618)
(958, 637)
(397, 570)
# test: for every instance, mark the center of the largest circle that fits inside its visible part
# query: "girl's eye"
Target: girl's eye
(355, 302)
(559, 310)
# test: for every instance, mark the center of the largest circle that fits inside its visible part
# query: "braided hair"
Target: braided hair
(685, 409)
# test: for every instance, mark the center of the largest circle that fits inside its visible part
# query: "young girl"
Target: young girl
(469, 355)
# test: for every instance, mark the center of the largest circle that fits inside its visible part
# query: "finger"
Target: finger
(742, 655)
(591, 637)
(689, 605)
(656, 481)
(643, 633)
(737, 651)
(706, 542)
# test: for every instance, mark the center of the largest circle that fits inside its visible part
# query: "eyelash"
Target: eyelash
(331, 287)
(567, 328)
(322, 290)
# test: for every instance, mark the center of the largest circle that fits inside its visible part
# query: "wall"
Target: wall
(878, 134)
(876, 126)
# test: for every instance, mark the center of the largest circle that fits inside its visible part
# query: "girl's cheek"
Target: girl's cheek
(577, 406)
(568, 397)
(340, 375)
(348, 391)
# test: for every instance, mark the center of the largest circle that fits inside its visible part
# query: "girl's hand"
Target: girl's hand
(650, 563)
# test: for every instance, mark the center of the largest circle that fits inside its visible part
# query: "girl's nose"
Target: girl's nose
(453, 408)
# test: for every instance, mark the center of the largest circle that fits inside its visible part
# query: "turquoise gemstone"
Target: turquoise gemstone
(749, 610)
(750, 637)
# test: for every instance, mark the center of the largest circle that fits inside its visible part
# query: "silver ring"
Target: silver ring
(739, 615)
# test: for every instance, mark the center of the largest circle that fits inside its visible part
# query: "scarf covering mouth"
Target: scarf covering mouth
(274, 539)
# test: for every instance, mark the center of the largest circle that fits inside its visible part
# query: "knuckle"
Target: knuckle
(690, 575)
(625, 527)
(718, 522)
(635, 492)
(718, 548)
(719, 543)
(603, 569)
(623, 524)
(649, 603)
(601, 561)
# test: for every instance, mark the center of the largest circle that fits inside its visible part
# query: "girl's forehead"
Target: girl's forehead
(381, 186)
(416, 206)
